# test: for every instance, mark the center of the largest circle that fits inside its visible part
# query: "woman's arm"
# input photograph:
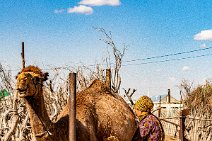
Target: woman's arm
(145, 127)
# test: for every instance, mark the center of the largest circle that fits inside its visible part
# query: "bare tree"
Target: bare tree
(186, 87)
(129, 95)
(6, 79)
(118, 56)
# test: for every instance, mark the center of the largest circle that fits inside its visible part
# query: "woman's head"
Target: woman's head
(144, 104)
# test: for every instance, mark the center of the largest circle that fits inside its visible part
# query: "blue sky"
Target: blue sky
(61, 33)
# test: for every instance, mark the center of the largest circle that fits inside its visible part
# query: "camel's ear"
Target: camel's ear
(45, 76)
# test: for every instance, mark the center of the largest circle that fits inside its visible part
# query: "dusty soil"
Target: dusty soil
(170, 138)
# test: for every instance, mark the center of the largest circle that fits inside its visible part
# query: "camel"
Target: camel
(100, 114)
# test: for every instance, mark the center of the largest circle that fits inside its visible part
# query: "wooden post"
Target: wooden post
(169, 96)
(22, 56)
(72, 111)
(181, 100)
(183, 115)
(159, 110)
(108, 79)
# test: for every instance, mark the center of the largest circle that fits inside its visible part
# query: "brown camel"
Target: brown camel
(101, 115)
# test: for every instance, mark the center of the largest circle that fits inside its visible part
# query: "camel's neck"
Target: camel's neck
(39, 118)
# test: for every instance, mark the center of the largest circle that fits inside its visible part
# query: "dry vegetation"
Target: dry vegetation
(199, 101)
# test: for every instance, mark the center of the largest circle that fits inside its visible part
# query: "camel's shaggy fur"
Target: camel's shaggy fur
(101, 115)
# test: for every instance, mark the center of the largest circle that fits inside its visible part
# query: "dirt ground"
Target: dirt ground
(170, 138)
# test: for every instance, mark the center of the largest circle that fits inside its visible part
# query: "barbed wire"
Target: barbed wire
(171, 54)
(143, 59)
(168, 60)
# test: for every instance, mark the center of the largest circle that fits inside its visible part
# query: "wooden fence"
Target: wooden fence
(185, 126)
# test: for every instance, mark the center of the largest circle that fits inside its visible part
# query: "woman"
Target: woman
(150, 127)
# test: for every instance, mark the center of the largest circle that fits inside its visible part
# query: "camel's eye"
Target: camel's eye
(23, 79)
(27, 75)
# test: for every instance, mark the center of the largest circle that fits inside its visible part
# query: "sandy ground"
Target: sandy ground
(171, 138)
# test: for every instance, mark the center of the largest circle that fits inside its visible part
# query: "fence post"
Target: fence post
(72, 109)
(169, 96)
(159, 110)
(108, 79)
(183, 114)
(22, 56)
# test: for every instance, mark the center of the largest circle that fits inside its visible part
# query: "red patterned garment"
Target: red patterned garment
(149, 129)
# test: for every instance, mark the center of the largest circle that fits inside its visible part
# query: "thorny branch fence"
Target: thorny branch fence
(181, 125)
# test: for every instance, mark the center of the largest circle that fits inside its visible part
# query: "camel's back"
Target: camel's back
(116, 116)
(111, 114)
(105, 113)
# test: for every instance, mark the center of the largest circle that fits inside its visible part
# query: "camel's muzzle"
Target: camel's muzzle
(21, 92)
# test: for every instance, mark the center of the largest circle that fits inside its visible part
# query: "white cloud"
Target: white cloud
(82, 9)
(173, 79)
(204, 35)
(100, 2)
(203, 46)
(186, 68)
(58, 11)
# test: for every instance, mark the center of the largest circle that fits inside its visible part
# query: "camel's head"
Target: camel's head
(30, 81)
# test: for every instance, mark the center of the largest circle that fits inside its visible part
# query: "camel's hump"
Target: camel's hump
(96, 85)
